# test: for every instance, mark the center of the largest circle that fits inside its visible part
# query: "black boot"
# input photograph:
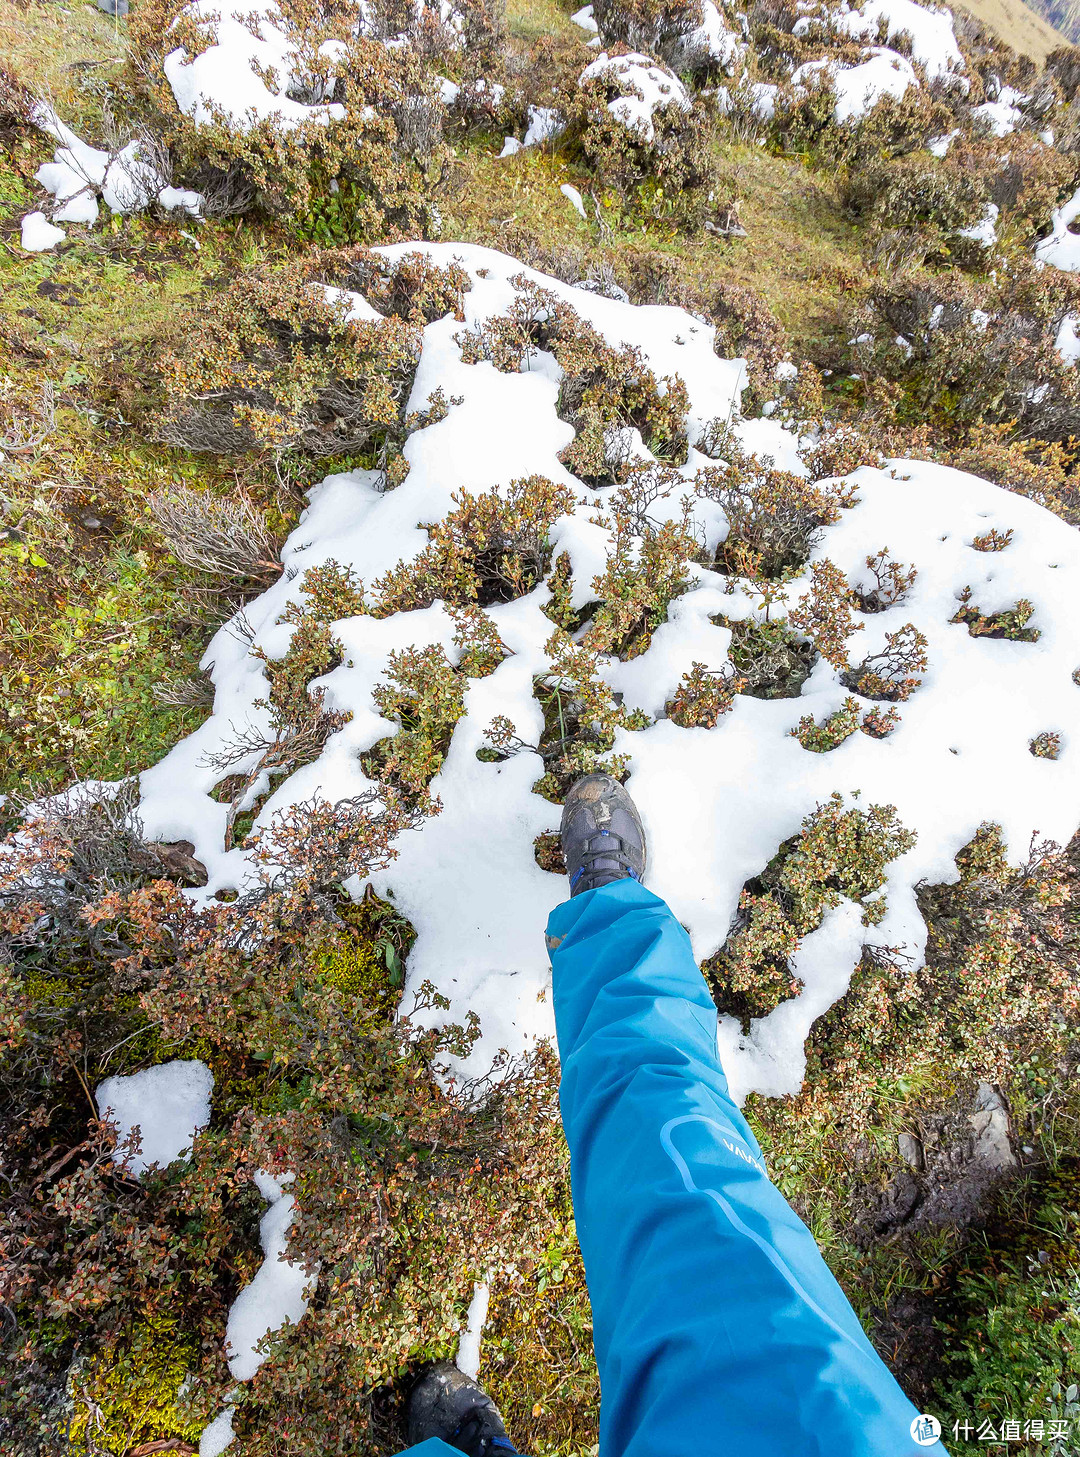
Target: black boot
(446, 1403)
(601, 833)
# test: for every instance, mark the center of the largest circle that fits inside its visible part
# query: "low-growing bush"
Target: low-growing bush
(425, 696)
(360, 168)
(1012, 623)
(822, 737)
(889, 583)
(607, 394)
(490, 548)
(975, 351)
(703, 696)
(824, 613)
(774, 517)
(274, 364)
(840, 853)
(894, 672)
(663, 168)
(660, 27)
(581, 715)
(771, 660)
(646, 567)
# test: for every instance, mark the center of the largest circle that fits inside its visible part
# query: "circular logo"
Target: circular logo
(926, 1430)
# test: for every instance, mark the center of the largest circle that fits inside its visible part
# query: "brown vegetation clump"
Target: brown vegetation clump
(490, 548)
(667, 172)
(774, 517)
(405, 1184)
(274, 364)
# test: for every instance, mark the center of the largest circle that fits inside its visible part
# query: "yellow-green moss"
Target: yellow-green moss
(132, 1395)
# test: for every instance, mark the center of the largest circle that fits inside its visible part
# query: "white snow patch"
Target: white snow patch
(169, 1104)
(38, 235)
(716, 802)
(939, 146)
(573, 197)
(218, 1435)
(277, 1290)
(584, 18)
(1004, 114)
(468, 1353)
(1067, 342)
(985, 230)
(1061, 247)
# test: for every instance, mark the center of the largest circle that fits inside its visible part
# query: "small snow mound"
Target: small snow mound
(38, 235)
(645, 85)
(584, 18)
(1061, 247)
(859, 88)
(1003, 115)
(933, 37)
(169, 1104)
(985, 230)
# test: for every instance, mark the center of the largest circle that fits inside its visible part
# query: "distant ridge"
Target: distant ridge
(1034, 30)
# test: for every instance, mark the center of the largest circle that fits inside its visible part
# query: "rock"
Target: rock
(177, 862)
(113, 7)
(910, 1150)
(990, 1125)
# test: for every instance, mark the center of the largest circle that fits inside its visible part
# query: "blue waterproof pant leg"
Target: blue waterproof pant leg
(717, 1326)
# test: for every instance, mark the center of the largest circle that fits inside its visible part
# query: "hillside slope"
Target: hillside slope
(1034, 30)
(404, 410)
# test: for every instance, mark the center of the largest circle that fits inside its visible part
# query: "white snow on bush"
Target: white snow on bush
(229, 81)
(169, 1104)
(713, 39)
(645, 85)
(277, 1290)
(985, 230)
(1061, 248)
(1067, 342)
(859, 88)
(1003, 115)
(933, 38)
(717, 802)
(80, 177)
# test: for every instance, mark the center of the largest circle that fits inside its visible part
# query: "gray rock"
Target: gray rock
(910, 1150)
(113, 7)
(990, 1125)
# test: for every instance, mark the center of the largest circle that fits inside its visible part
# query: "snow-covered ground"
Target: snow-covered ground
(716, 802)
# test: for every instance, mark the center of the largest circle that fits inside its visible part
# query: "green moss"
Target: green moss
(132, 1395)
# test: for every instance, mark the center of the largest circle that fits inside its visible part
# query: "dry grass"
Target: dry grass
(1018, 26)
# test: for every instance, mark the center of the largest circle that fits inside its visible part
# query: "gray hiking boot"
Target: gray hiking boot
(601, 832)
(446, 1403)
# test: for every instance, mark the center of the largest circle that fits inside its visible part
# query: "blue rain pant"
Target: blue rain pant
(717, 1325)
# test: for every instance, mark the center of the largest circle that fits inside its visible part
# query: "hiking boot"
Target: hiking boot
(601, 833)
(446, 1403)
